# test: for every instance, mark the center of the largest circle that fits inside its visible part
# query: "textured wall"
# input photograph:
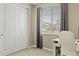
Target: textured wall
(73, 17)
(32, 27)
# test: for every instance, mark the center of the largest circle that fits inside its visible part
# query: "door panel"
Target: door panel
(13, 28)
(9, 27)
(1, 29)
(23, 24)
(20, 27)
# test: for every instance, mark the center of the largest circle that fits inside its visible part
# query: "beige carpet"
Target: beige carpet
(32, 52)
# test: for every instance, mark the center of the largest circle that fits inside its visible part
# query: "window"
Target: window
(50, 19)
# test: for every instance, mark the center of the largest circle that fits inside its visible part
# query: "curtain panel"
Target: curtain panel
(64, 17)
(39, 36)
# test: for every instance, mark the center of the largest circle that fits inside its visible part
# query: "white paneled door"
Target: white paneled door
(1, 29)
(13, 23)
(21, 27)
(9, 27)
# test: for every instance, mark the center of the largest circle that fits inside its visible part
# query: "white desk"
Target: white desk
(57, 44)
(77, 45)
(53, 33)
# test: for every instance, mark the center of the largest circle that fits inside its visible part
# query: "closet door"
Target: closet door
(1, 29)
(21, 27)
(9, 27)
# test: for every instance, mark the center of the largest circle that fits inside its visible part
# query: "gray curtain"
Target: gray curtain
(64, 17)
(39, 36)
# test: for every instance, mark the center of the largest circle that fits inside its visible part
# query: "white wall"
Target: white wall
(33, 22)
(73, 16)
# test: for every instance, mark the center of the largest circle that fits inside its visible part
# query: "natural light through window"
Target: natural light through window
(50, 19)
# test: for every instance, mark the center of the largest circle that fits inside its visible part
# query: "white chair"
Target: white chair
(67, 43)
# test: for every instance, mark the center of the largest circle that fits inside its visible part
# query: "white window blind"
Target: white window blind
(50, 19)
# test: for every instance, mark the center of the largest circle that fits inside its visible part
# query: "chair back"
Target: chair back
(67, 43)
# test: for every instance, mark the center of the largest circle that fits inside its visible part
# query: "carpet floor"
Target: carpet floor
(32, 52)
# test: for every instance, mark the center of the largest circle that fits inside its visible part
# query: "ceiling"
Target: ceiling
(35, 3)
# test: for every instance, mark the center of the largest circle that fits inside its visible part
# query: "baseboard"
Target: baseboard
(13, 51)
(48, 49)
(32, 46)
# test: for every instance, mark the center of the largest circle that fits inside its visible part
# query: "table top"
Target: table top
(52, 33)
(57, 39)
(77, 41)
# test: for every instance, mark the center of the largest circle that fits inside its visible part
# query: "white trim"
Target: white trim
(47, 5)
(48, 49)
(13, 51)
(23, 5)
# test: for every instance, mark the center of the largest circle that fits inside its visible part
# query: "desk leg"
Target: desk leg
(54, 52)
